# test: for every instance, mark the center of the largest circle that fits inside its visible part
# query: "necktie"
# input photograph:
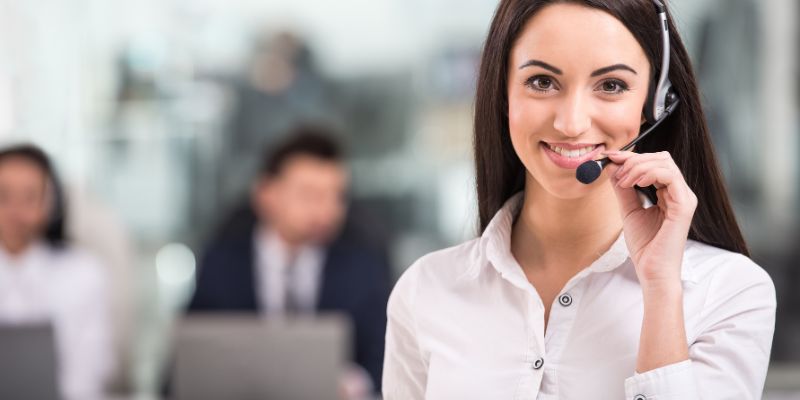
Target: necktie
(291, 304)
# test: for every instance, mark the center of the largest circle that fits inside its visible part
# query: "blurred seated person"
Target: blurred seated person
(44, 280)
(294, 255)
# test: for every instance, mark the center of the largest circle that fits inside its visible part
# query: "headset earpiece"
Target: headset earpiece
(658, 100)
(649, 115)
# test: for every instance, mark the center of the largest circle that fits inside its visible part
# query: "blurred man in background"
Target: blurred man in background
(295, 256)
(44, 280)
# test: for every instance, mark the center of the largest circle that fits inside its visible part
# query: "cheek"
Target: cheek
(525, 121)
(621, 123)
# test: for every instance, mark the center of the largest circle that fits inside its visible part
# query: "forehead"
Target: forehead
(576, 38)
(20, 168)
(304, 166)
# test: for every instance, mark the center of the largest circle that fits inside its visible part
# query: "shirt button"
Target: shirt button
(566, 300)
(639, 397)
(538, 363)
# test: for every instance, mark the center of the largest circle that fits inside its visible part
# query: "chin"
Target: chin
(319, 238)
(567, 187)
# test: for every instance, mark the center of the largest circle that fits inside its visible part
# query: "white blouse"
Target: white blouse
(68, 289)
(465, 323)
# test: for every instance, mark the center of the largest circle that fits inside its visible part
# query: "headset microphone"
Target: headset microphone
(661, 102)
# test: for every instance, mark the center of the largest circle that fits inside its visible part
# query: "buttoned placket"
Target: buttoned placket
(563, 312)
(544, 349)
(535, 354)
(532, 308)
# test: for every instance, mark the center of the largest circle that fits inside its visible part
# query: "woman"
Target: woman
(44, 280)
(584, 291)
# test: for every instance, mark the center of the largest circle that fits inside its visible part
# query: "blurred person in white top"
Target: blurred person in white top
(584, 291)
(44, 280)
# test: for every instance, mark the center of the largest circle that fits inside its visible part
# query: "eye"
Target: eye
(540, 83)
(613, 86)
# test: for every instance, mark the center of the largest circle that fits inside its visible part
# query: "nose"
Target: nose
(572, 117)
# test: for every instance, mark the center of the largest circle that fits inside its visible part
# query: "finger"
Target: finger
(624, 155)
(626, 197)
(618, 157)
(630, 159)
(659, 175)
(659, 170)
(631, 174)
(673, 191)
(677, 190)
(666, 174)
(633, 163)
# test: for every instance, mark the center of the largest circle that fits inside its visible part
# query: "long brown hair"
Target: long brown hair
(500, 173)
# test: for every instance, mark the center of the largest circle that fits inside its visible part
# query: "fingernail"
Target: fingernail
(611, 152)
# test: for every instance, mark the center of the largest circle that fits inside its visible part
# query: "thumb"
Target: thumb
(627, 197)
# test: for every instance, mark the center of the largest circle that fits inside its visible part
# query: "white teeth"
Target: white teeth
(572, 153)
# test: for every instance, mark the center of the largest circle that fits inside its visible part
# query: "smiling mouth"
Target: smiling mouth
(572, 153)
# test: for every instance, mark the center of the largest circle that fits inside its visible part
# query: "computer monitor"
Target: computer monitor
(239, 357)
(28, 362)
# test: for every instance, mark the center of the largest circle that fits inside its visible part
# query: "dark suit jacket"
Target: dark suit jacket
(355, 280)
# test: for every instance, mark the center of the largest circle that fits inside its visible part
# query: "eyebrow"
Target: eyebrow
(557, 71)
(614, 67)
(542, 64)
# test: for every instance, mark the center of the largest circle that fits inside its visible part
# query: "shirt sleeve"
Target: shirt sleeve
(404, 368)
(729, 357)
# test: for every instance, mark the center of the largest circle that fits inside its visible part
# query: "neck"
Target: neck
(564, 233)
(15, 249)
(288, 245)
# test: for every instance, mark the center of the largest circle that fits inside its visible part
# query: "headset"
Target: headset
(661, 102)
(660, 95)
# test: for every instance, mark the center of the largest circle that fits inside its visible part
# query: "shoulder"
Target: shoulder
(439, 270)
(356, 251)
(726, 273)
(709, 262)
(231, 245)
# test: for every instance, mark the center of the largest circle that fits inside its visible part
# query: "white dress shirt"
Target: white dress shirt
(465, 323)
(67, 289)
(277, 272)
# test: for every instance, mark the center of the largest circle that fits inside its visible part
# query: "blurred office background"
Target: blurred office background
(156, 111)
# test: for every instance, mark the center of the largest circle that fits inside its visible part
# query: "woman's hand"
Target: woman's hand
(655, 236)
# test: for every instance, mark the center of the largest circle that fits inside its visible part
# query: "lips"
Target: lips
(570, 156)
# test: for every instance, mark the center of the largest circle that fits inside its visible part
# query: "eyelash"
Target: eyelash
(531, 82)
(621, 86)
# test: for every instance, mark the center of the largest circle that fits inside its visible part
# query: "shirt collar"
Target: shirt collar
(496, 244)
(270, 246)
(33, 255)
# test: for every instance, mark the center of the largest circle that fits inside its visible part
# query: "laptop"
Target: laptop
(247, 357)
(28, 363)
